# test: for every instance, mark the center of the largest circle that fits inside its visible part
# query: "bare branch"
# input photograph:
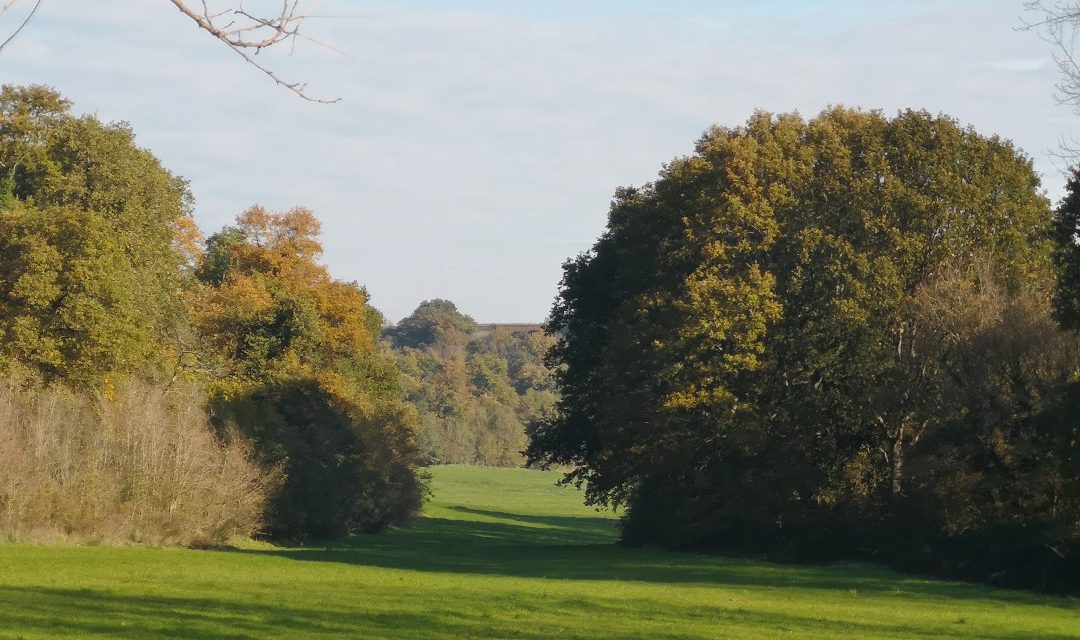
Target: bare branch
(25, 21)
(244, 32)
(247, 34)
(1059, 25)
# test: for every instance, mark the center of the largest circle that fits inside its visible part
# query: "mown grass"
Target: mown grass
(498, 554)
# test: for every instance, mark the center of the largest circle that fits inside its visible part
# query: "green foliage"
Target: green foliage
(342, 470)
(1066, 236)
(1008, 372)
(762, 348)
(72, 309)
(103, 277)
(476, 388)
(506, 554)
(90, 270)
(489, 375)
(300, 374)
(433, 321)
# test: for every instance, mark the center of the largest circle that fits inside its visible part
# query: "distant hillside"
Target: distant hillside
(475, 386)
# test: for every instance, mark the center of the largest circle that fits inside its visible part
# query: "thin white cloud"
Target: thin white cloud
(475, 150)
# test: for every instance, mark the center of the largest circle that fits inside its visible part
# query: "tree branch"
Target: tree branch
(25, 21)
(247, 34)
(1059, 25)
(244, 32)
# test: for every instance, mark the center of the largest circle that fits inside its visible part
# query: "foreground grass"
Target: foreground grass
(499, 554)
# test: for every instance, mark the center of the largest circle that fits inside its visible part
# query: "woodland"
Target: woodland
(847, 337)
(820, 377)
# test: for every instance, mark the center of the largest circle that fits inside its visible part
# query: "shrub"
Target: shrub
(142, 465)
(347, 468)
(301, 374)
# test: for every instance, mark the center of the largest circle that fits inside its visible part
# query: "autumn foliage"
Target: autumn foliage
(97, 442)
(109, 292)
(830, 338)
(300, 374)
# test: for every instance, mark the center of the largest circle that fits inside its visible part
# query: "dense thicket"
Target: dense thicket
(298, 370)
(107, 292)
(476, 388)
(142, 466)
(828, 338)
(92, 271)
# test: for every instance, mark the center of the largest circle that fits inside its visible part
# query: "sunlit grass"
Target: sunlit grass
(499, 554)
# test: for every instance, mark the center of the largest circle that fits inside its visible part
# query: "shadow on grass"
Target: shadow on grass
(570, 548)
(576, 529)
(81, 613)
(87, 613)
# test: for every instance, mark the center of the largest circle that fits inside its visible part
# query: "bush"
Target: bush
(299, 371)
(142, 466)
(347, 469)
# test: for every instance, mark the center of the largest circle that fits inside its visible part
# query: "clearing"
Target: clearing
(499, 553)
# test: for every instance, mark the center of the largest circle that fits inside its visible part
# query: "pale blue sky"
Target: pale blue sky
(478, 143)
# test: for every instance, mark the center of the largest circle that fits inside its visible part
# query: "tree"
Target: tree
(750, 356)
(434, 321)
(301, 375)
(90, 259)
(244, 32)
(1066, 237)
(1005, 375)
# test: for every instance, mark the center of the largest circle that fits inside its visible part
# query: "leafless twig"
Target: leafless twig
(247, 34)
(1059, 24)
(25, 21)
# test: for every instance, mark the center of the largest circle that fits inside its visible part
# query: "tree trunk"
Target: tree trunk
(897, 460)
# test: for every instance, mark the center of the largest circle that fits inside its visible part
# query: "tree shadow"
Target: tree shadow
(82, 613)
(575, 529)
(569, 548)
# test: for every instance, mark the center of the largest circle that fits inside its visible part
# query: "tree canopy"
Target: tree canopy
(301, 374)
(90, 266)
(105, 278)
(431, 322)
(764, 348)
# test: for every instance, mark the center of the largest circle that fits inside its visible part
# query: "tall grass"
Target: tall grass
(142, 466)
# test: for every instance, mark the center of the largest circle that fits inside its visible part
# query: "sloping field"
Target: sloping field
(498, 554)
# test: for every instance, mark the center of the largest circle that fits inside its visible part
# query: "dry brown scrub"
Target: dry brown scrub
(142, 467)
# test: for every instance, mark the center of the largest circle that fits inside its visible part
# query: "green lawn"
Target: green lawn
(498, 554)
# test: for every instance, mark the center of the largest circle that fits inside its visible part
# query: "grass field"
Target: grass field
(498, 554)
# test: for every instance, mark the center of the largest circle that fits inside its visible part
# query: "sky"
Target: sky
(477, 143)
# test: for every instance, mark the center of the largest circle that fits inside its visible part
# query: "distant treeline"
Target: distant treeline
(475, 387)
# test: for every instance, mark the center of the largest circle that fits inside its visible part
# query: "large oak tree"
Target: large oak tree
(760, 341)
